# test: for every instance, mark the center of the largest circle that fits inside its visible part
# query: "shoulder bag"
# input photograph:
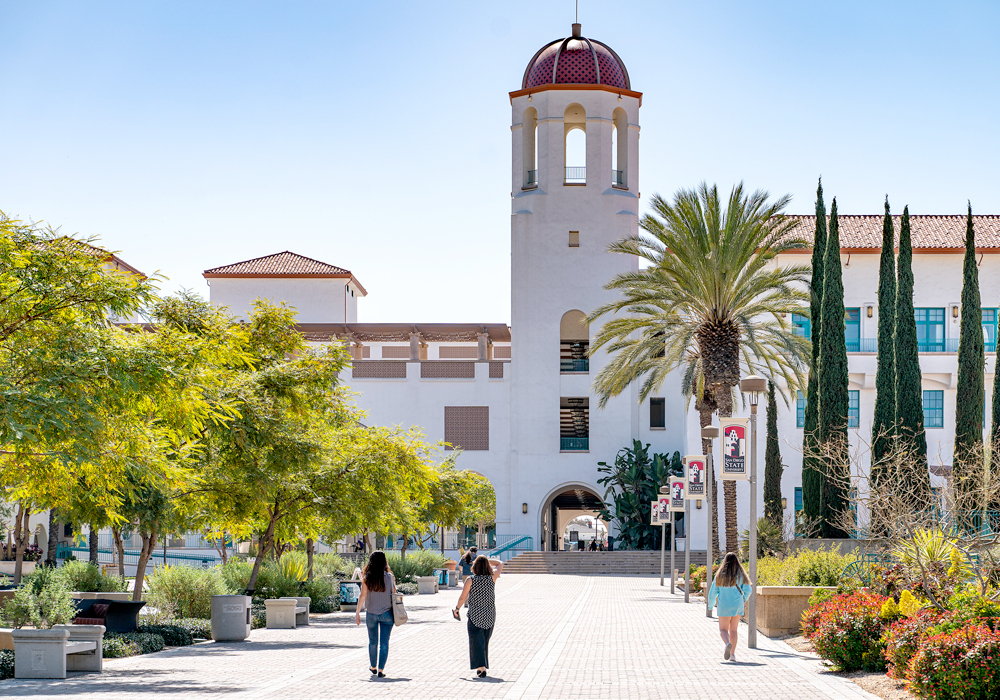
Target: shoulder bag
(399, 616)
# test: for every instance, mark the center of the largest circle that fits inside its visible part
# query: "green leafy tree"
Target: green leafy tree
(772, 463)
(711, 294)
(812, 465)
(833, 383)
(909, 395)
(970, 402)
(883, 423)
(632, 484)
(480, 505)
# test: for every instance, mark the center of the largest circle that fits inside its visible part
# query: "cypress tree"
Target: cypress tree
(833, 384)
(971, 361)
(885, 377)
(772, 463)
(812, 465)
(909, 420)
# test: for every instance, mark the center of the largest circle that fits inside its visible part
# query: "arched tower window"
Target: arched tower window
(619, 145)
(574, 342)
(575, 144)
(529, 128)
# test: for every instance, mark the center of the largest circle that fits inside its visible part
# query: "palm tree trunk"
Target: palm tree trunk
(724, 400)
(705, 411)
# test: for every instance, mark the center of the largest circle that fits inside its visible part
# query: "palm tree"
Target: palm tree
(711, 301)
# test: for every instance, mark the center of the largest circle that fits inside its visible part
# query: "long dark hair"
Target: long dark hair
(731, 572)
(374, 571)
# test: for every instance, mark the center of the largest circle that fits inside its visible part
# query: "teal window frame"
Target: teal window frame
(798, 499)
(933, 408)
(852, 329)
(800, 410)
(990, 329)
(802, 325)
(929, 320)
(853, 408)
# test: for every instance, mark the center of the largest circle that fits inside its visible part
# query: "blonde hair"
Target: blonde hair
(731, 573)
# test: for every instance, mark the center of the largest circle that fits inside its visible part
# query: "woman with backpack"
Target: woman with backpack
(377, 588)
(479, 590)
(730, 590)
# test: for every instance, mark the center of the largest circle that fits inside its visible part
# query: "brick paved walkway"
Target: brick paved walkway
(556, 637)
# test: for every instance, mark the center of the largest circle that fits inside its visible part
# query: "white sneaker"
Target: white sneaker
(732, 657)
(728, 652)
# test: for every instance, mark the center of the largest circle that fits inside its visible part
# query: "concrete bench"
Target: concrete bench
(427, 584)
(51, 653)
(287, 613)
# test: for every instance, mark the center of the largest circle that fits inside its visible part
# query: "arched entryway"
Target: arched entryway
(563, 504)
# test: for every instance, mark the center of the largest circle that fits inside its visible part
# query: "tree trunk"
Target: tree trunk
(441, 534)
(50, 555)
(94, 542)
(724, 400)
(706, 407)
(309, 558)
(116, 533)
(145, 554)
(20, 539)
(262, 545)
(402, 550)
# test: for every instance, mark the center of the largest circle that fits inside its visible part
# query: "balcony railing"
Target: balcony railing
(924, 346)
(574, 444)
(571, 365)
(532, 179)
(618, 178)
(576, 175)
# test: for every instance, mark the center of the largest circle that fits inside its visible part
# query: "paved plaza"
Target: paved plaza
(556, 637)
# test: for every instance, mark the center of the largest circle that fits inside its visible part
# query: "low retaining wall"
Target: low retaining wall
(780, 608)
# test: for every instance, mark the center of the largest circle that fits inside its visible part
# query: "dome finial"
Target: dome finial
(577, 30)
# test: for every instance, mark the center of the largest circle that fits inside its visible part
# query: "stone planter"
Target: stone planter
(427, 584)
(780, 608)
(230, 618)
(6, 640)
(93, 595)
(450, 565)
(7, 567)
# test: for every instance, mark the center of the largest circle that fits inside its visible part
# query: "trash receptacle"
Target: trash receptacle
(350, 592)
(442, 577)
(230, 618)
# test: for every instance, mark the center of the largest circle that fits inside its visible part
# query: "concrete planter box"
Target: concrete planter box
(780, 608)
(93, 595)
(50, 653)
(427, 584)
(7, 567)
(230, 618)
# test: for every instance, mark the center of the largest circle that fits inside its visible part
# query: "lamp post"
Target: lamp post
(754, 386)
(709, 432)
(663, 538)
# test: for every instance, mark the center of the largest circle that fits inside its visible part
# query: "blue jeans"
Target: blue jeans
(379, 629)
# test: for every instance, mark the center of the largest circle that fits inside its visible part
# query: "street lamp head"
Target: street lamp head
(754, 386)
(710, 432)
(664, 489)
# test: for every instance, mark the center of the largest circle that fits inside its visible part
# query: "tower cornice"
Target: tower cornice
(577, 86)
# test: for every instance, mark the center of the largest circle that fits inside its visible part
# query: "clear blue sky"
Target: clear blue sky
(375, 135)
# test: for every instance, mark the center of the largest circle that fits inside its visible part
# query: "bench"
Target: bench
(287, 613)
(51, 653)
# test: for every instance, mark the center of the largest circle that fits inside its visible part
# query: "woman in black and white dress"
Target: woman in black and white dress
(479, 590)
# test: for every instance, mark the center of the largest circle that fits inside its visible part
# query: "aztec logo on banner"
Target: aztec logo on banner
(695, 476)
(734, 449)
(654, 517)
(678, 490)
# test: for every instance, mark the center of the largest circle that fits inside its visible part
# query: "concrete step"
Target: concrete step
(592, 563)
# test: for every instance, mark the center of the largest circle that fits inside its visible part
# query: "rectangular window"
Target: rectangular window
(467, 427)
(802, 325)
(657, 413)
(934, 409)
(990, 329)
(800, 411)
(853, 408)
(574, 424)
(798, 498)
(852, 331)
(574, 239)
(930, 329)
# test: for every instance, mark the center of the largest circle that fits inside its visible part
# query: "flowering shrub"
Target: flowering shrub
(886, 580)
(909, 604)
(903, 638)
(847, 631)
(964, 664)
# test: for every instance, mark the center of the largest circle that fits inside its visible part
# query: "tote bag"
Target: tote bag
(399, 616)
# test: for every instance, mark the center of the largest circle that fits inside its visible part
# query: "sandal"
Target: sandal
(481, 674)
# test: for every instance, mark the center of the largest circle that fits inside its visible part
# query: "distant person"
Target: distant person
(593, 545)
(731, 591)
(480, 592)
(359, 546)
(600, 546)
(467, 560)
(377, 588)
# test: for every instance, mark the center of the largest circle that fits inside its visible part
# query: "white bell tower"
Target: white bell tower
(574, 182)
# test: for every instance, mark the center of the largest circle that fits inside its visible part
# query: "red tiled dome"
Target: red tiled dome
(576, 60)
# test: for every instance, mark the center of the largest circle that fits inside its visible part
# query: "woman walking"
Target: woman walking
(479, 590)
(377, 588)
(731, 591)
(467, 560)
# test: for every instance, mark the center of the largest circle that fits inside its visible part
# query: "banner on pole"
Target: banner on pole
(660, 510)
(654, 514)
(678, 491)
(735, 466)
(695, 476)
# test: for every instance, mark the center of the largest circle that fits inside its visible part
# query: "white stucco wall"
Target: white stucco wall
(317, 300)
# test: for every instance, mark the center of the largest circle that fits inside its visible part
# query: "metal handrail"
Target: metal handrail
(576, 173)
(512, 546)
(618, 177)
(532, 178)
(926, 346)
(107, 556)
(574, 365)
(573, 444)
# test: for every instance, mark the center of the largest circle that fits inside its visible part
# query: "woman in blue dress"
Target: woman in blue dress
(730, 591)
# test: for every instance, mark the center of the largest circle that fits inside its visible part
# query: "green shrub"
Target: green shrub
(847, 631)
(272, 581)
(318, 588)
(333, 566)
(87, 577)
(6, 664)
(42, 601)
(199, 628)
(121, 644)
(329, 604)
(173, 635)
(418, 563)
(821, 567)
(820, 595)
(258, 615)
(964, 664)
(408, 588)
(184, 591)
(903, 639)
